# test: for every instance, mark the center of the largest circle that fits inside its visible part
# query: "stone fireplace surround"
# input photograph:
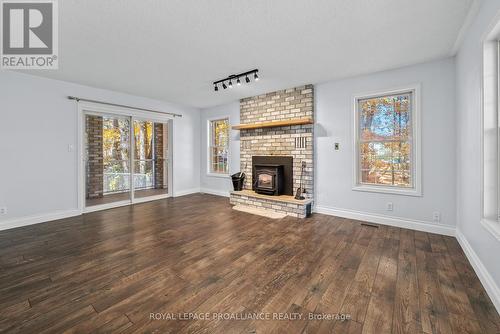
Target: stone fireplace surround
(295, 141)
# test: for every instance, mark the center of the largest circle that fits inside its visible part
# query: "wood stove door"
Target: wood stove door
(265, 180)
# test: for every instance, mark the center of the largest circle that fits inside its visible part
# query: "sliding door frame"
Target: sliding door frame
(91, 108)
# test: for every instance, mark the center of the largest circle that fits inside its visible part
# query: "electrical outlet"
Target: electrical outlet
(3, 211)
(389, 206)
(436, 217)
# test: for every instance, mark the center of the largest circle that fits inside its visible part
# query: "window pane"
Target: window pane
(386, 163)
(143, 137)
(150, 163)
(219, 160)
(116, 176)
(143, 174)
(385, 118)
(220, 132)
(116, 141)
(116, 138)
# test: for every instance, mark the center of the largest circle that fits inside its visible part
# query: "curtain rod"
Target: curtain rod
(78, 99)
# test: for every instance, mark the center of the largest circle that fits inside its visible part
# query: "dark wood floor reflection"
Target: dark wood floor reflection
(109, 271)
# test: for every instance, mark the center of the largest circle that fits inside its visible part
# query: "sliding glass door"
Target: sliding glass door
(126, 159)
(107, 140)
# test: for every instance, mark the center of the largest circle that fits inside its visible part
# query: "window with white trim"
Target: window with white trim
(490, 145)
(218, 150)
(490, 137)
(386, 142)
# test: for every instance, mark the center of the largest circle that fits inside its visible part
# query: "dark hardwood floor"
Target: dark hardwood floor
(109, 271)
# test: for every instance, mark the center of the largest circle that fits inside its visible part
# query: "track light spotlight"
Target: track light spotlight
(216, 88)
(256, 77)
(224, 85)
(230, 84)
(238, 82)
(246, 79)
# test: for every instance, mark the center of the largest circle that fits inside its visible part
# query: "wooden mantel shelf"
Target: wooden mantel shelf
(298, 121)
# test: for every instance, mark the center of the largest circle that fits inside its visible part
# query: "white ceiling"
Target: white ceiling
(173, 50)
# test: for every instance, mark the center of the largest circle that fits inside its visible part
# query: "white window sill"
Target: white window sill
(224, 176)
(388, 190)
(492, 226)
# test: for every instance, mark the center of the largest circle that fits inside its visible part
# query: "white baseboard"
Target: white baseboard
(37, 219)
(186, 192)
(488, 282)
(412, 224)
(215, 192)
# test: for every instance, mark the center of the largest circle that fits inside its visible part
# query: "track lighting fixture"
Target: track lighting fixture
(236, 77)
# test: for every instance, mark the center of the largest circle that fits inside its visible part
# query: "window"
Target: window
(219, 146)
(490, 168)
(490, 136)
(386, 143)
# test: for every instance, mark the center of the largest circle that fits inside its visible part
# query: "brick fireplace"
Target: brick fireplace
(294, 141)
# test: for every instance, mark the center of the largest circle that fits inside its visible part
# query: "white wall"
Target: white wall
(482, 247)
(214, 184)
(38, 176)
(334, 169)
